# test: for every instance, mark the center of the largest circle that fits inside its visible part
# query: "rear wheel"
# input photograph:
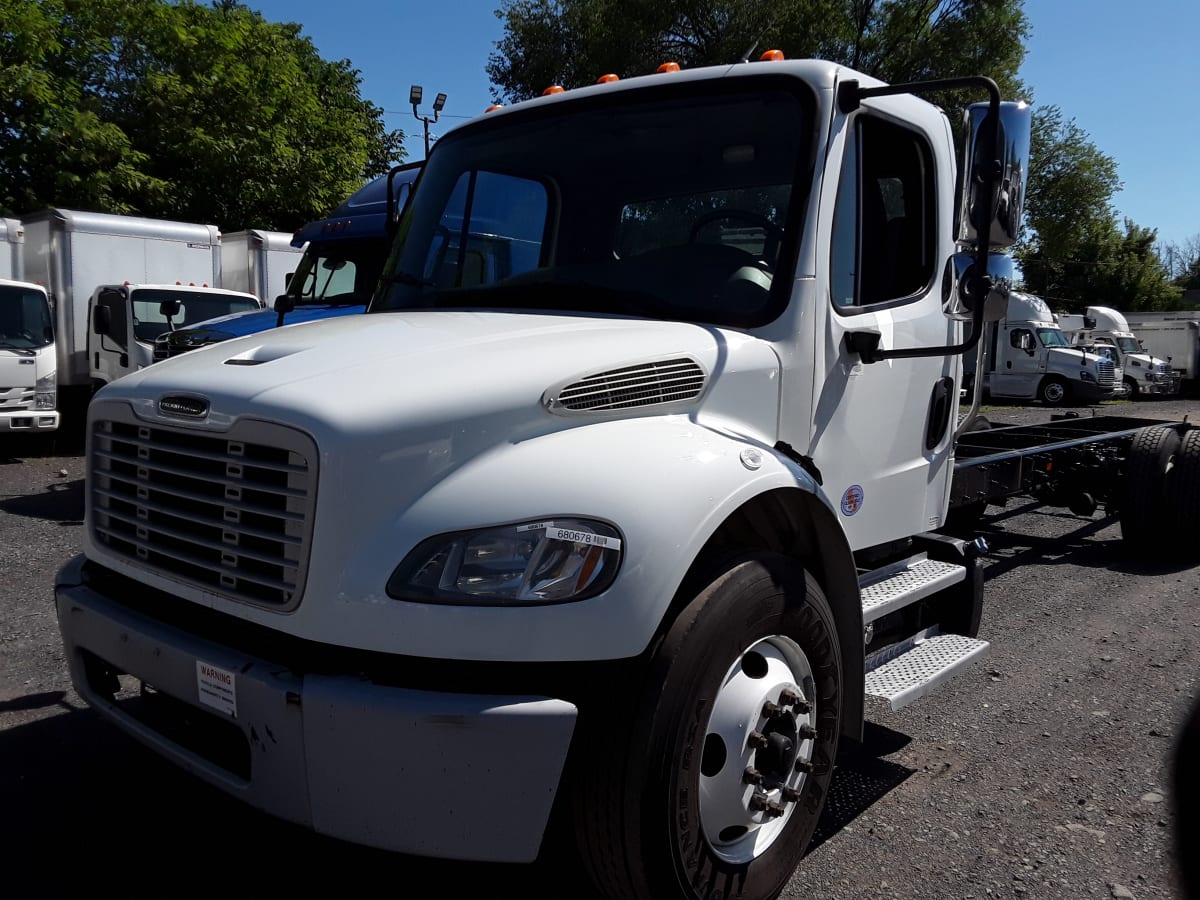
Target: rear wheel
(716, 785)
(1052, 391)
(1143, 496)
(1183, 497)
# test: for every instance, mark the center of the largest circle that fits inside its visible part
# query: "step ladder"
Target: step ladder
(908, 671)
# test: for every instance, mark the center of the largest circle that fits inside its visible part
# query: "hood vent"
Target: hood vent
(646, 384)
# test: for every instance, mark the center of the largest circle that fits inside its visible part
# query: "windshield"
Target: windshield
(1129, 345)
(664, 204)
(338, 273)
(150, 308)
(24, 319)
(1052, 337)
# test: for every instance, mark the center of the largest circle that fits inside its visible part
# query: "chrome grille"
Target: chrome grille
(16, 398)
(229, 513)
(645, 384)
(1105, 371)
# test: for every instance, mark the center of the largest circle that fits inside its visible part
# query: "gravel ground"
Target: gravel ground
(1040, 773)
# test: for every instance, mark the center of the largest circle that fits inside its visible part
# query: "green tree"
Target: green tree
(573, 42)
(179, 110)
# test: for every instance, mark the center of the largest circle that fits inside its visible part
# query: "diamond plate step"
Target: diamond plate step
(915, 672)
(891, 589)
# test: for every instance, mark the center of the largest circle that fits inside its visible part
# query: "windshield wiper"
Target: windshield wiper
(20, 351)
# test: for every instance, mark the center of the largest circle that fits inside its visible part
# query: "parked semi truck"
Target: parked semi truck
(116, 283)
(258, 262)
(1029, 357)
(1144, 373)
(335, 277)
(1173, 336)
(623, 531)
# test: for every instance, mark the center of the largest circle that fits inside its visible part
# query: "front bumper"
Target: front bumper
(1166, 385)
(451, 775)
(29, 420)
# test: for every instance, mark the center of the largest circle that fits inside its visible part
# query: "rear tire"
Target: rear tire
(664, 806)
(1183, 498)
(1144, 502)
(1052, 391)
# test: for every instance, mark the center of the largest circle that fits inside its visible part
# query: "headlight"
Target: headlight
(43, 392)
(551, 561)
(1087, 376)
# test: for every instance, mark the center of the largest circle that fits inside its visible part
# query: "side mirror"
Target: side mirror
(101, 320)
(958, 284)
(284, 303)
(1089, 323)
(1026, 342)
(1008, 196)
(169, 308)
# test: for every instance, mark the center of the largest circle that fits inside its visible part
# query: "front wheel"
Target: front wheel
(1134, 390)
(716, 785)
(1052, 391)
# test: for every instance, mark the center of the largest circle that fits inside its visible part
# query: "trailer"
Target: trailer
(259, 262)
(1176, 338)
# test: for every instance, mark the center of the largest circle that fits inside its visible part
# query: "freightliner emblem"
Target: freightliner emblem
(184, 407)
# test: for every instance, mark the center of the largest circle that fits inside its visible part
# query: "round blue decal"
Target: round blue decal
(852, 500)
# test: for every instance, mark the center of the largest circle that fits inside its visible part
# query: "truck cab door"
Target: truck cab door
(108, 338)
(1022, 365)
(882, 431)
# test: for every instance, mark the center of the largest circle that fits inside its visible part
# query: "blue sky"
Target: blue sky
(1129, 74)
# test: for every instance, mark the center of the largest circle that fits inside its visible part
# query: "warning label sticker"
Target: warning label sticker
(217, 688)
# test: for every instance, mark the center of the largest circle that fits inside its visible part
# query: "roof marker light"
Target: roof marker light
(608, 79)
(668, 67)
(553, 89)
(494, 107)
(771, 56)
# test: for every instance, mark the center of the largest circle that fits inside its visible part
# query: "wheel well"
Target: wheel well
(796, 524)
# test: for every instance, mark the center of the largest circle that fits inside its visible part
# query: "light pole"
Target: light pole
(439, 103)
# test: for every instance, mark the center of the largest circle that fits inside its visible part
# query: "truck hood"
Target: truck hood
(1064, 356)
(433, 375)
(240, 324)
(1146, 361)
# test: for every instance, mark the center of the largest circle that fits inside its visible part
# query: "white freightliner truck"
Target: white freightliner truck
(117, 282)
(623, 530)
(1029, 357)
(28, 401)
(1145, 374)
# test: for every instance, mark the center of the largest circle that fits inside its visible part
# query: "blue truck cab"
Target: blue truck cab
(336, 274)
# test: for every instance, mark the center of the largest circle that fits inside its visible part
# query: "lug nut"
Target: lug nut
(803, 765)
(771, 710)
(774, 810)
(758, 802)
(757, 740)
(787, 697)
(806, 733)
(802, 707)
(752, 776)
(789, 794)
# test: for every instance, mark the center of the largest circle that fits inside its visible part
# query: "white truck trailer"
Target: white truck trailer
(138, 269)
(258, 262)
(1029, 357)
(1173, 336)
(1145, 374)
(621, 531)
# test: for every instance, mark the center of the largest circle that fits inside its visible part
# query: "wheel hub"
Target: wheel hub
(758, 748)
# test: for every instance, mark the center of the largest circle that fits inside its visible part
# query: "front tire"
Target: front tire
(715, 786)
(1052, 391)
(1132, 385)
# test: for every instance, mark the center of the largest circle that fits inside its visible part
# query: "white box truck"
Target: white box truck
(1173, 336)
(606, 516)
(28, 398)
(258, 262)
(136, 268)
